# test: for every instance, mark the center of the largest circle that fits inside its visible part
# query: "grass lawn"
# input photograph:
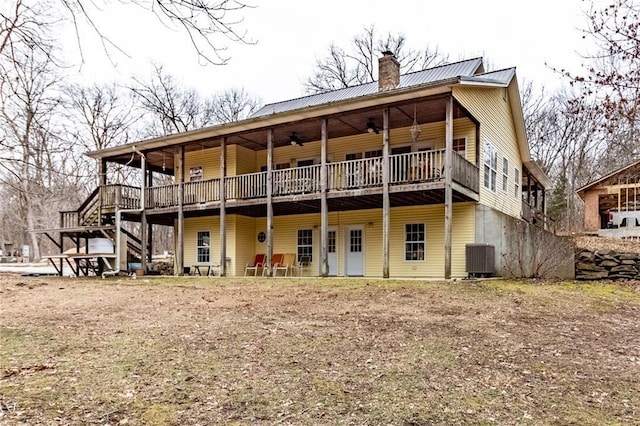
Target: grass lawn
(201, 351)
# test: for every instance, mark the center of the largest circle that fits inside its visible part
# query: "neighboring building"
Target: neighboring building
(386, 179)
(612, 203)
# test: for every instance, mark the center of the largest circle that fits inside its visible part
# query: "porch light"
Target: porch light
(371, 127)
(295, 140)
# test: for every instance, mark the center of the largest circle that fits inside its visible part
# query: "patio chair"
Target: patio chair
(288, 260)
(276, 260)
(302, 265)
(258, 263)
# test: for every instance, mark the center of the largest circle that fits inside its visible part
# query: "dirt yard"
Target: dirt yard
(198, 351)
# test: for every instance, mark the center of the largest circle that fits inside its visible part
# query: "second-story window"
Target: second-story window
(490, 166)
(505, 174)
(460, 146)
(516, 181)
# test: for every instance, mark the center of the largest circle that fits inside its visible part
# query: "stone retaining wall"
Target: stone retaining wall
(606, 264)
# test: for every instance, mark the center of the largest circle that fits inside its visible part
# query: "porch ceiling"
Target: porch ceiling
(428, 110)
(312, 206)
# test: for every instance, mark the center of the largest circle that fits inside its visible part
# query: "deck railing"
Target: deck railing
(69, 219)
(121, 196)
(299, 180)
(201, 191)
(252, 185)
(409, 168)
(465, 173)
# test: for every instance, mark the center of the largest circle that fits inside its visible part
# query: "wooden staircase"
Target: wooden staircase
(99, 210)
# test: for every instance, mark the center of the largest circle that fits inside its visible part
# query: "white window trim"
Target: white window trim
(465, 143)
(312, 255)
(517, 179)
(423, 146)
(492, 151)
(296, 161)
(505, 174)
(424, 243)
(198, 247)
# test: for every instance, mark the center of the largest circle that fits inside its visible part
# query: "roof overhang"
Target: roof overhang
(268, 121)
(581, 191)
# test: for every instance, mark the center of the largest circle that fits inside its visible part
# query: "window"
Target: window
(203, 250)
(460, 146)
(505, 174)
(516, 182)
(490, 166)
(278, 166)
(373, 154)
(304, 163)
(305, 243)
(414, 242)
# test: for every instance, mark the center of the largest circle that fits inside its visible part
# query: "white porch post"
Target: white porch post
(448, 193)
(180, 237)
(223, 211)
(324, 210)
(386, 220)
(269, 200)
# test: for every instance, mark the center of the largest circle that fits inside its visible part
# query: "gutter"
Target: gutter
(143, 166)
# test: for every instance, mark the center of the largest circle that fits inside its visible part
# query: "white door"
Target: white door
(332, 256)
(354, 259)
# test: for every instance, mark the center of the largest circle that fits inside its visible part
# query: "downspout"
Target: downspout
(143, 166)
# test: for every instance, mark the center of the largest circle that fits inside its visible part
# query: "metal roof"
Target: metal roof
(499, 77)
(465, 68)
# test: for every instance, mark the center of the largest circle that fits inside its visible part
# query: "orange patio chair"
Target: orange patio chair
(258, 263)
(276, 260)
(288, 261)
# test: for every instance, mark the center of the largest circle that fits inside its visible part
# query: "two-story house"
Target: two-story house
(386, 179)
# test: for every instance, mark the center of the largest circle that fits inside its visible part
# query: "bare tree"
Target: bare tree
(566, 139)
(357, 64)
(28, 101)
(209, 25)
(173, 108)
(100, 116)
(233, 105)
(24, 22)
(611, 77)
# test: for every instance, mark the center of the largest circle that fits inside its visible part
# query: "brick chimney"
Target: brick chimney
(388, 72)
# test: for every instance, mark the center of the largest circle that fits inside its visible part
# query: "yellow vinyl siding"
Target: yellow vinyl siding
(242, 242)
(433, 218)
(338, 148)
(191, 228)
(240, 160)
(497, 127)
(209, 159)
(245, 237)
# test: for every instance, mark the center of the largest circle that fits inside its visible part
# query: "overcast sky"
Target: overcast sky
(291, 34)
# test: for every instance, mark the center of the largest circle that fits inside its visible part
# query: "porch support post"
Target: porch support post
(448, 192)
(102, 172)
(102, 180)
(143, 222)
(149, 225)
(324, 209)
(223, 209)
(269, 199)
(179, 243)
(386, 220)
